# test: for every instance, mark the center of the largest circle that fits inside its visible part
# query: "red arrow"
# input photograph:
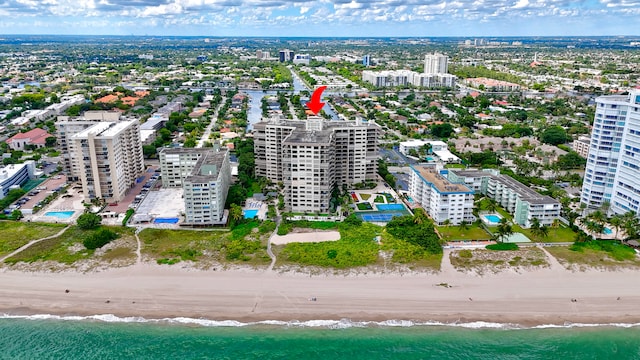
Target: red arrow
(315, 105)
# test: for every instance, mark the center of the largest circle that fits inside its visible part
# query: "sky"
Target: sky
(321, 18)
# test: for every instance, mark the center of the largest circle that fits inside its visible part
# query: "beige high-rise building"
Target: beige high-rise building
(109, 158)
(436, 64)
(314, 157)
(67, 126)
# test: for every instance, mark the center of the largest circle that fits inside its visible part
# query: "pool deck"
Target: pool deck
(261, 206)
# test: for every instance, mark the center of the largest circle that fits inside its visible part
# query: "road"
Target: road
(214, 118)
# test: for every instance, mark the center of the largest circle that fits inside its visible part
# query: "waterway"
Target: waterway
(255, 111)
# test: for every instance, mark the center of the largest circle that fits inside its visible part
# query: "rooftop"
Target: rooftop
(441, 183)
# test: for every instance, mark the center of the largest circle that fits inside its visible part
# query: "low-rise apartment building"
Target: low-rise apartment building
(442, 199)
(523, 203)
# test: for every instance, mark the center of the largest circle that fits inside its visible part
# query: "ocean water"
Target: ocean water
(108, 337)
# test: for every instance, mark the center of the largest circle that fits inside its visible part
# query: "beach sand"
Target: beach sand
(529, 298)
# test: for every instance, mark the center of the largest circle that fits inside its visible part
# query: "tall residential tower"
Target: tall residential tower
(613, 164)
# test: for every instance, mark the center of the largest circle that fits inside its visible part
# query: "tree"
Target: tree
(616, 223)
(442, 130)
(88, 221)
(235, 214)
(554, 135)
(16, 214)
(353, 220)
(504, 230)
(50, 141)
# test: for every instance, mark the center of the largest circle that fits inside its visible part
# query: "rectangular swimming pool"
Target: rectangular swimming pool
(250, 213)
(60, 214)
(166, 220)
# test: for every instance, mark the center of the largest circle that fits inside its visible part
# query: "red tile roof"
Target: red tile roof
(35, 136)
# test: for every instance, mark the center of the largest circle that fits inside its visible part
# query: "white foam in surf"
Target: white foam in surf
(327, 324)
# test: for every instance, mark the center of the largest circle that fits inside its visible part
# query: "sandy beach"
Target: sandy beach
(153, 291)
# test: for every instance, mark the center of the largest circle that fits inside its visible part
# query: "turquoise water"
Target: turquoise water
(60, 214)
(608, 231)
(57, 339)
(385, 207)
(250, 214)
(166, 220)
(492, 219)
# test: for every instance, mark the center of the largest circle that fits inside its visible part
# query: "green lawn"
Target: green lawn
(364, 206)
(365, 196)
(558, 234)
(59, 249)
(453, 232)
(16, 234)
(379, 199)
(586, 256)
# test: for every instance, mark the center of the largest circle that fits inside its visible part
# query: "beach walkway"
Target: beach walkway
(30, 243)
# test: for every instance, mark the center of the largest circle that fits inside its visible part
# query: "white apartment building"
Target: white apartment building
(67, 126)
(178, 163)
(613, 162)
(206, 189)
(442, 199)
(313, 157)
(436, 64)
(391, 78)
(522, 202)
(109, 158)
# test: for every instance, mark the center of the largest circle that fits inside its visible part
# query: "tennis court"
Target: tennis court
(380, 217)
(386, 207)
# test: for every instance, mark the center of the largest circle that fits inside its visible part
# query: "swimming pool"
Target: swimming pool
(385, 207)
(250, 213)
(60, 214)
(607, 231)
(491, 219)
(166, 220)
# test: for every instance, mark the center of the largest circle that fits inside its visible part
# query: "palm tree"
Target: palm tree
(419, 216)
(594, 228)
(492, 206)
(463, 225)
(544, 231)
(598, 216)
(504, 230)
(235, 213)
(446, 223)
(616, 223)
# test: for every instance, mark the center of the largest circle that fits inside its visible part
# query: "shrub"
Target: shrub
(127, 215)
(502, 247)
(465, 254)
(88, 221)
(99, 239)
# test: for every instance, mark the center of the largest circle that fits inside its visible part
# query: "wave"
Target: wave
(327, 324)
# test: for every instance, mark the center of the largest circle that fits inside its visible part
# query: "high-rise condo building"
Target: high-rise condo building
(314, 157)
(613, 163)
(436, 64)
(109, 158)
(67, 126)
(205, 176)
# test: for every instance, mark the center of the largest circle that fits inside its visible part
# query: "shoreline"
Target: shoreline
(528, 299)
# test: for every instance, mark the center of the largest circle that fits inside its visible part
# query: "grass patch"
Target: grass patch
(365, 196)
(379, 199)
(407, 253)
(244, 243)
(556, 234)
(486, 261)
(356, 247)
(364, 206)
(502, 247)
(472, 232)
(595, 254)
(16, 234)
(59, 249)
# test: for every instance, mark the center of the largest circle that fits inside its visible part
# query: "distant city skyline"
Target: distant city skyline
(357, 18)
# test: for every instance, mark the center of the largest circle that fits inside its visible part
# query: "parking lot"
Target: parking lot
(34, 197)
